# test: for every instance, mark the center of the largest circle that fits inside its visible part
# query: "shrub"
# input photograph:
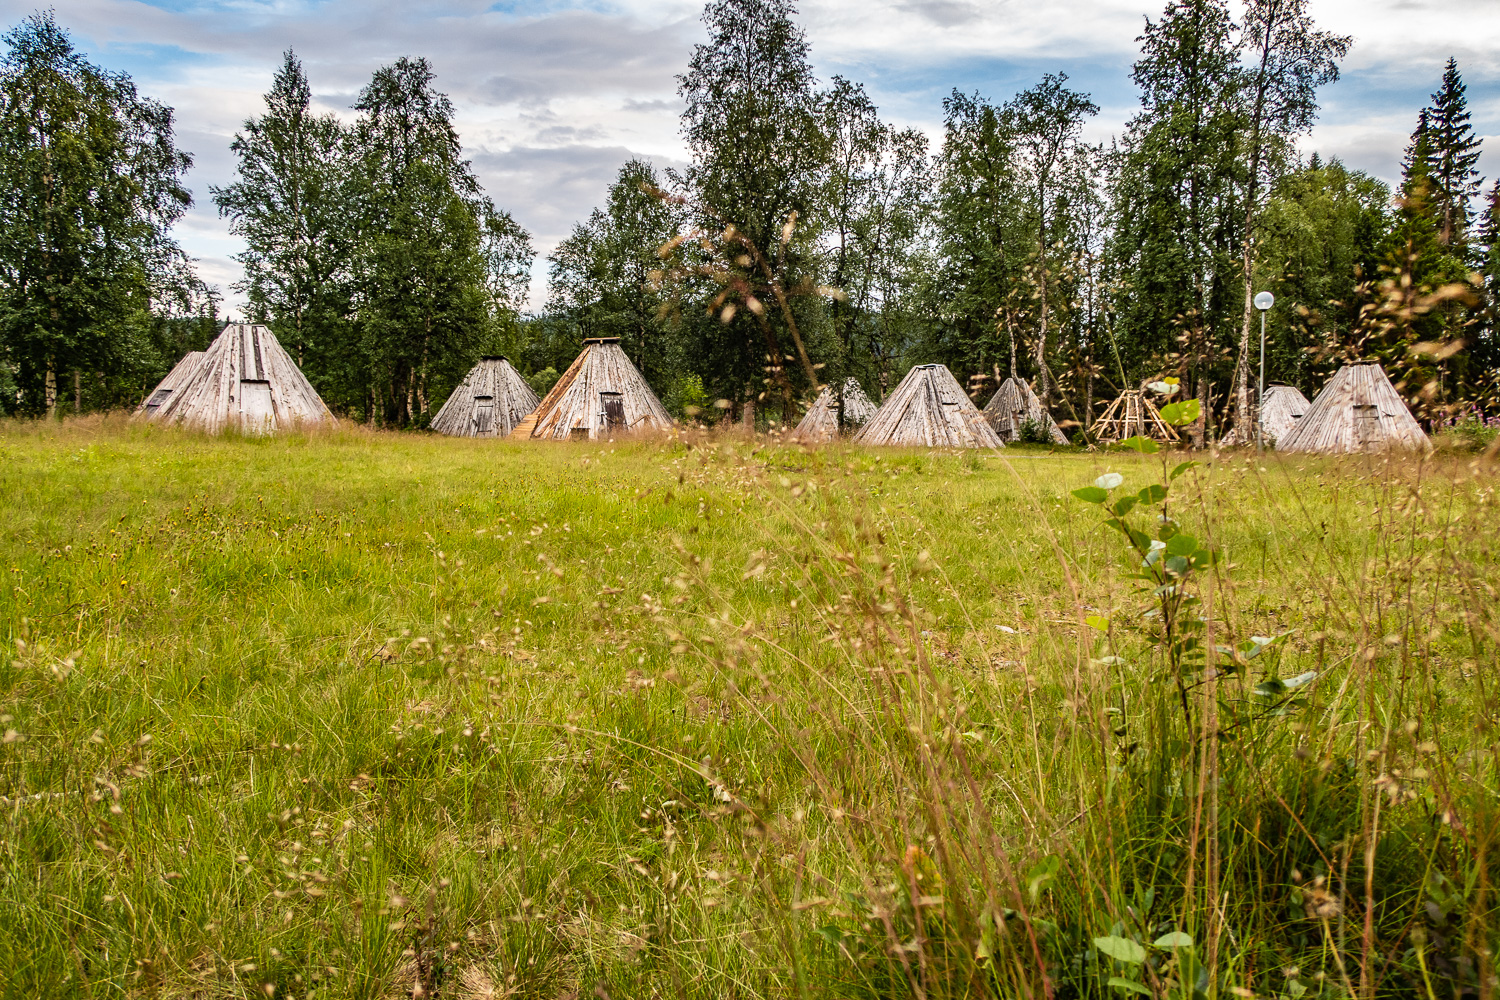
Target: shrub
(542, 382)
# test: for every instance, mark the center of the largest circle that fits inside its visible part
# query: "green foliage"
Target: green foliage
(1034, 431)
(371, 250)
(290, 204)
(688, 398)
(542, 382)
(606, 276)
(93, 182)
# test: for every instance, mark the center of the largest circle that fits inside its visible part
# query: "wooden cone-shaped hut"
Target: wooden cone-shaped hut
(169, 385)
(1013, 405)
(821, 422)
(600, 394)
(244, 380)
(491, 400)
(1131, 414)
(1357, 411)
(929, 409)
(1283, 406)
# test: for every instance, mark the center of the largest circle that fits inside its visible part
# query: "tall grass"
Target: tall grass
(376, 715)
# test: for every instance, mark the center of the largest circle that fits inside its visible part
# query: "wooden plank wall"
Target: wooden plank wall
(929, 409)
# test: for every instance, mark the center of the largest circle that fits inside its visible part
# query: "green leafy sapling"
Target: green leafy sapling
(1170, 561)
(1165, 557)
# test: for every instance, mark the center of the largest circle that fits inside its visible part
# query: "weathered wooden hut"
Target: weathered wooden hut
(491, 400)
(1015, 404)
(929, 409)
(1357, 411)
(1283, 406)
(821, 422)
(1131, 414)
(167, 386)
(601, 394)
(245, 380)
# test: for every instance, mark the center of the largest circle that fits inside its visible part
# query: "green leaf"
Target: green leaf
(1155, 493)
(1091, 494)
(1176, 939)
(1041, 873)
(1178, 565)
(1123, 506)
(1184, 412)
(1143, 445)
(1181, 469)
(1121, 949)
(1097, 622)
(1139, 539)
(1270, 688)
(1181, 545)
(1119, 982)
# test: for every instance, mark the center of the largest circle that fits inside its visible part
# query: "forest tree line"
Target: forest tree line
(807, 240)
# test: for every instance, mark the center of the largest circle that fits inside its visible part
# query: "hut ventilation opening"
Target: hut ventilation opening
(157, 398)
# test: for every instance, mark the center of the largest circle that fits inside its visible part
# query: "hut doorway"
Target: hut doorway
(612, 410)
(484, 416)
(256, 410)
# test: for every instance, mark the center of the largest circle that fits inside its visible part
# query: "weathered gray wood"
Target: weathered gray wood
(1357, 411)
(491, 400)
(1012, 405)
(929, 409)
(574, 408)
(1283, 406)
(246, 380)
(167, 387)
(821, 422)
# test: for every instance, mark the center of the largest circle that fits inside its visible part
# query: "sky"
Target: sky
(553, 96)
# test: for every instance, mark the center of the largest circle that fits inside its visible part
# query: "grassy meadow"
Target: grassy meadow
(379, 715)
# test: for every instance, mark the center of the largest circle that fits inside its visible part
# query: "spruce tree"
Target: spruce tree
(1452, 159)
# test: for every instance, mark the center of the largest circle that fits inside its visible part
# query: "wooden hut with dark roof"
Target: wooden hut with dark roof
(1014, 405)
(1357, 411)
(600, 395)
(491, 400)
(929, 409)
(1283, 406)
(244, 380)
(821, 422)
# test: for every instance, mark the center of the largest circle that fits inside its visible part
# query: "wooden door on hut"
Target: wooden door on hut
(256, 410)
(612, 410)
(484, 416)
(1367, 426)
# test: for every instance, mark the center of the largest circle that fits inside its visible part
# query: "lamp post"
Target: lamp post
(1263, 301)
